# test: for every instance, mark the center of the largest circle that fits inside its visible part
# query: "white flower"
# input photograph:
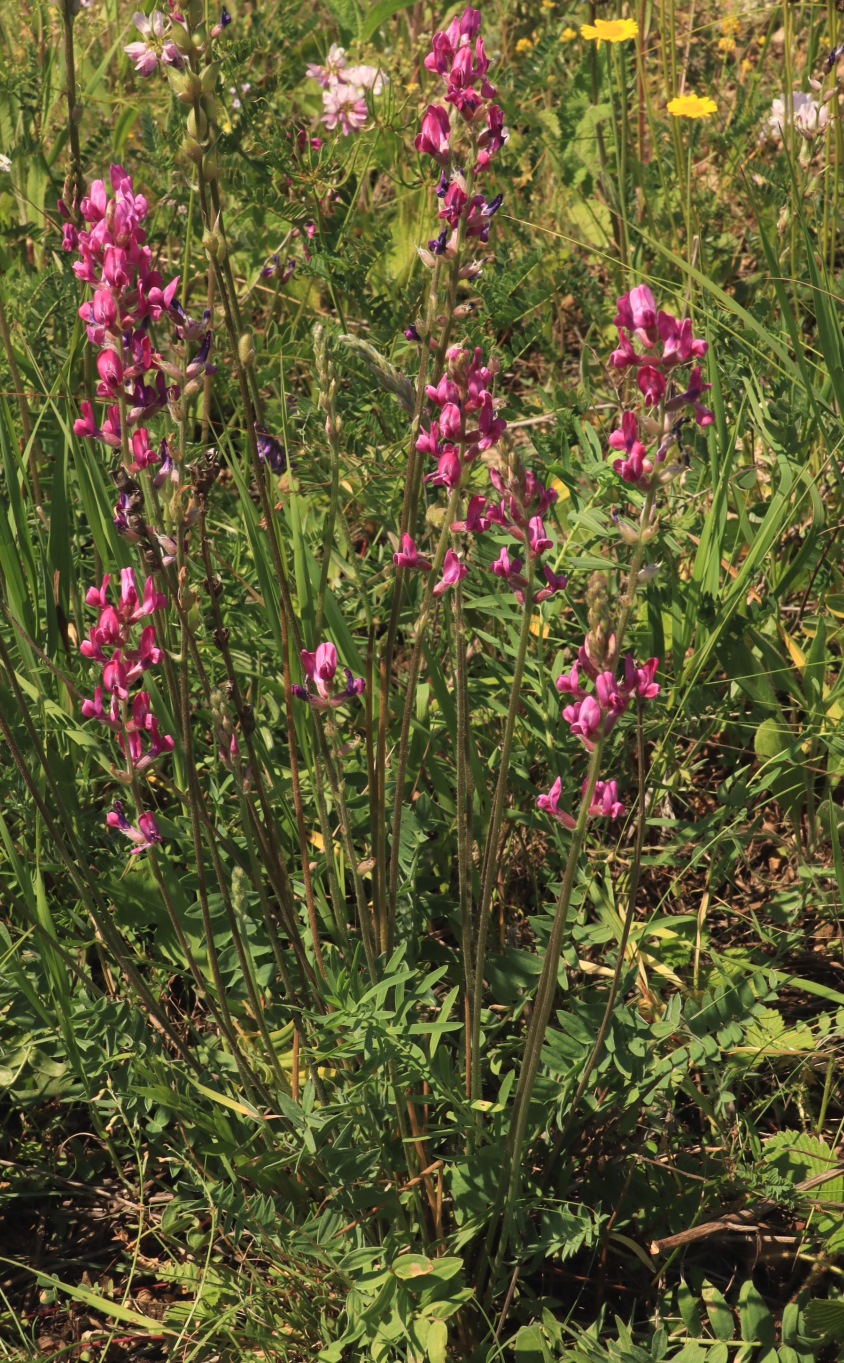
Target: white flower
(807, 115)
(5, 164)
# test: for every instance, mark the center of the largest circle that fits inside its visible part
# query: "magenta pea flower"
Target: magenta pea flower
(691, 397)
(538, 541)
(454, 570)
(144, 55)
(144, 834)
(555, 582)
(612, 700)
(320, 668)
(637, 312)
(639, 681)
(651, 385)
(678, 344)
(449, 470)
(409, 556)
(635, 467)
(549, 805)
(568, 684)
(85, 425)
(475, 522)
(605, 801)
(433, 138)
(585, 719)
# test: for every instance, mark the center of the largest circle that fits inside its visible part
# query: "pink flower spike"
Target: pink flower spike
(453, 572)
(548, 804)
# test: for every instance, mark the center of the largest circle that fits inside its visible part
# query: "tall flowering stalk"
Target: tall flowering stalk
(662, 352)
(461, 136)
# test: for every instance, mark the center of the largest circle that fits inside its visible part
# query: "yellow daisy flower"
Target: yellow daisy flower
(746, 66)
(692, 106)
(730, 27)
(610, 30)
(523, 45)
(549, 4)
(726, 45)
(568, 35)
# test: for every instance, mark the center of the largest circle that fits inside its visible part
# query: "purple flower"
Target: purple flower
(271, 451)
(145, 54)
(635, 467)
(320, 668)
(568, 684)
(696, 388)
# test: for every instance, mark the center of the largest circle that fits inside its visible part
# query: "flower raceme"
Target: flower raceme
(667, 346)
(129, 297)
(344, 90)
(320, 668)
(123, 660)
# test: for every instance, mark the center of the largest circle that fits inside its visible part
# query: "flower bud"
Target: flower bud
(199, 37)
(209, 165)
(190, 388)
(184, 84)
(209, 78)
(425, 256)
(648, 574)
(215, 245)
(192, 150)
(196, 12)
(197, 124)
(180, 37)
(627, 530)
(246, 349)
